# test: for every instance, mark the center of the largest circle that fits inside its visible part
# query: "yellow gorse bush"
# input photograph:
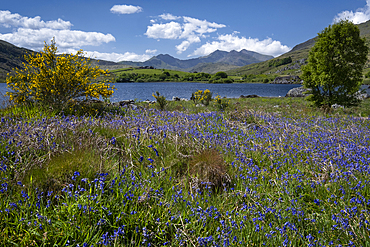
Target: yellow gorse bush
(56, 79)
(202, 96)
(161, 100)
(221, 103)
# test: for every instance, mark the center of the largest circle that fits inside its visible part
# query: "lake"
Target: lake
(144, 91)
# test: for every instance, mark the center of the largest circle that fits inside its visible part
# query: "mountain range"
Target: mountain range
(233, 62)
(12, 56)
(209, 64)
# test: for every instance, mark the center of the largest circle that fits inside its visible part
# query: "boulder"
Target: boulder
(336, 106)
(123, 103)
(360, 95)
(249, 96)
(297, 92)
(300, 92)
(174, 98)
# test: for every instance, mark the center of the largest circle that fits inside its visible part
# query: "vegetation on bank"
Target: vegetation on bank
(162, 75)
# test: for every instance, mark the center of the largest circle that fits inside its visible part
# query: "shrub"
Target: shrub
(221, 103)
(207, 170)
(161, 100)
(203, 97)
(221, 74)
(53, 79)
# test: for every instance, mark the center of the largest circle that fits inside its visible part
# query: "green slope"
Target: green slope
(10, 57)
(299, 52)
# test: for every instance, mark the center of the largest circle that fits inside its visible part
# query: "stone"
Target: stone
(297, 92)
(336, 106)
(249, 96)
(361, 95)
(174, 98)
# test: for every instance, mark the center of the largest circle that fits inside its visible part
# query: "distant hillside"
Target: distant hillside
(223, 60)
(298, 53)
(11, 56)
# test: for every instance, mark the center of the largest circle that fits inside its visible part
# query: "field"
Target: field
(263, 172)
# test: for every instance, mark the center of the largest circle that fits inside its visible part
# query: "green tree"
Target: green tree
(221, 74)
(335, 64)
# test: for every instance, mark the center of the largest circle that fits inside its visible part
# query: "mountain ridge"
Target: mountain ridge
(232, 58)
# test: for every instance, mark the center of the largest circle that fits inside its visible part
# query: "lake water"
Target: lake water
(144, 91)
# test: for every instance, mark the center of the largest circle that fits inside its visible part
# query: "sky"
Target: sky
(124, 30)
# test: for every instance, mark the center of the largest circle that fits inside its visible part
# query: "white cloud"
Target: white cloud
(34, 39)
(8, 20)
(191, 30)
(171, 30)
(32, 32)
(168, 16)
(183, 46)
(361, 15)
(126, 9)
(231, 42)
(115, 57)
(150, 51)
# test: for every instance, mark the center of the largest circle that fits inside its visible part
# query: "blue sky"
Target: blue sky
(137, 30)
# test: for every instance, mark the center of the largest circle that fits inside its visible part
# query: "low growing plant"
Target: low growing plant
(161, 100)
(221, 103)
(203, 97)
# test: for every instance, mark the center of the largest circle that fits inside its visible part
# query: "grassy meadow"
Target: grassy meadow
(261, 172)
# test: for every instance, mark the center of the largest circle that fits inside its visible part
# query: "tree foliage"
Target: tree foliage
(335, 64)
(49, 78)
(221, 74)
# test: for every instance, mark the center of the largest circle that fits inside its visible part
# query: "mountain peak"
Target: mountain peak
(232, 58)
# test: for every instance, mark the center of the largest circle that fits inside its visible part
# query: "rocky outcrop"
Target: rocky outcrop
(361, 95)
(297, 92)
(297, 65)
(249, 96)
(291, 79)
(300, 92)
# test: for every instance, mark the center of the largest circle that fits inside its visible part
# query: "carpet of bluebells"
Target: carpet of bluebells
(291, 181)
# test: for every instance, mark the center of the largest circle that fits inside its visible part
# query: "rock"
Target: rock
(336, 106)
(249, 96)
(360, 95)
(124, 103)
(297, 92)
(174, 98)
(291, 79)
(300, 92)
